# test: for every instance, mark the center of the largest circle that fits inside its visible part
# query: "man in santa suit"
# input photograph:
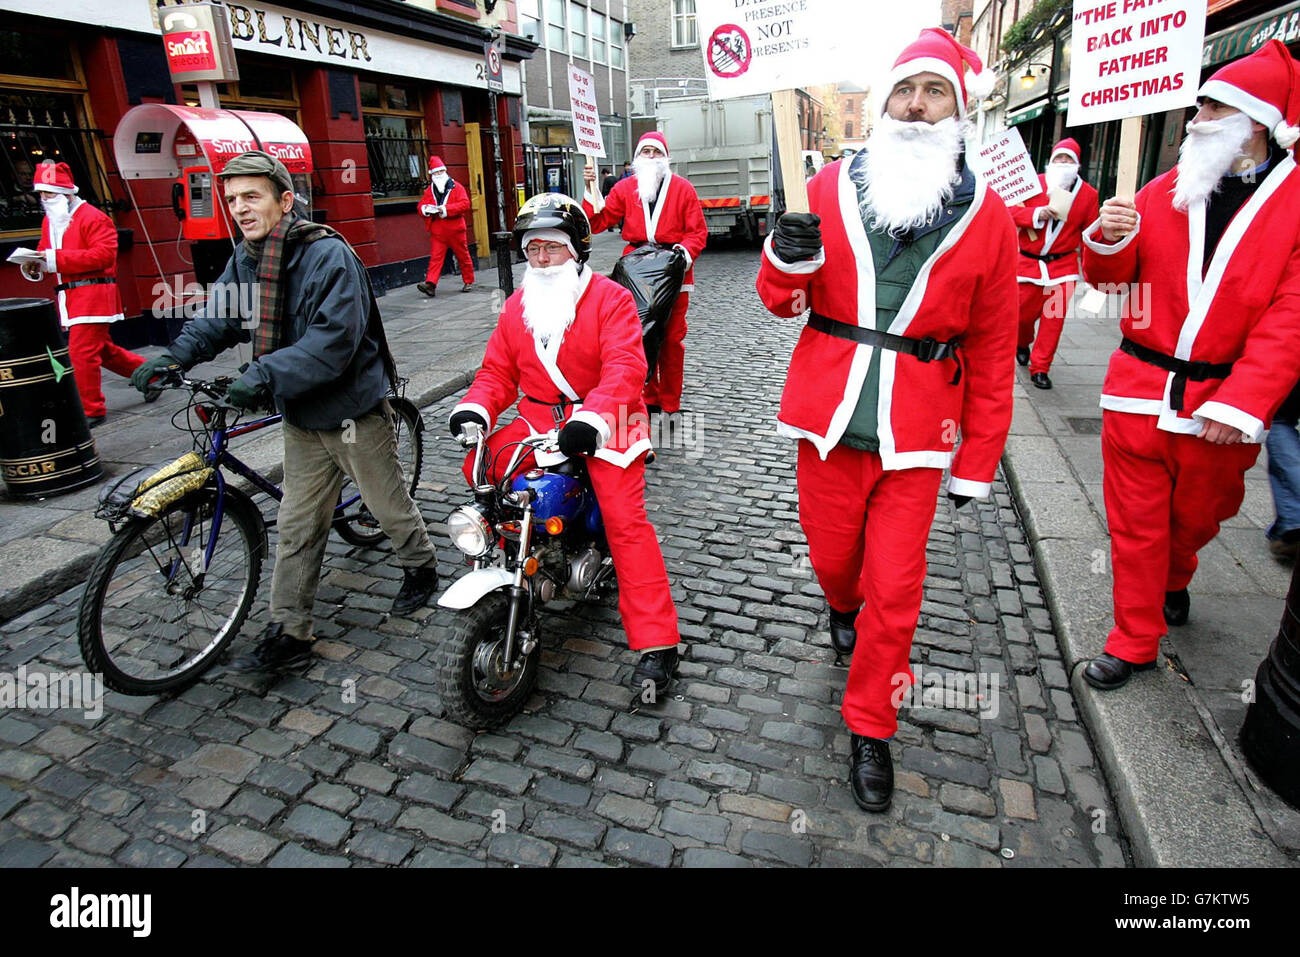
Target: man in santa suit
(80, 246)
(1049, 256)
(909, 265)
(444, 206)
(657, 207)
(570, 340)
(1211, 342)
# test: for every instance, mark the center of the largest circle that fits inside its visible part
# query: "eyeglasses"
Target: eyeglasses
(533, 250)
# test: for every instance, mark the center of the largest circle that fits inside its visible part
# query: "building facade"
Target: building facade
(377, 86)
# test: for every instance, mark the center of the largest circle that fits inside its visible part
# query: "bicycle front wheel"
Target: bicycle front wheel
(158, 611)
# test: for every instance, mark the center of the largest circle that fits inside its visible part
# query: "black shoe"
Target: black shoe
(1040, 380)
(275, 652)
(467, 287)
(430, 289)
(1177, 605)
(95, 421)
(653, 410)
(843, 633)
(1107, 672)
(1022, 355)
(418, 586)
(151, 395)
(871, 773)
(657, 666)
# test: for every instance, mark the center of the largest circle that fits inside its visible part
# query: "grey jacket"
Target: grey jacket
(329, 368)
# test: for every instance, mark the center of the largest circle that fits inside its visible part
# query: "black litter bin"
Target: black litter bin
(45, 444)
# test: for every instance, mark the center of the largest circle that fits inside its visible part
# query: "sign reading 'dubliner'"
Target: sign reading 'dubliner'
(586, 115)
(1133, 57)
(761, 46)
(1005, 164)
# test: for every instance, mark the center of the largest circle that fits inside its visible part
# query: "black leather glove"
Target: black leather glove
(959, 500)
(244, 396)
(579, 438)
(797, 236)
(463, 418)
(154, 368)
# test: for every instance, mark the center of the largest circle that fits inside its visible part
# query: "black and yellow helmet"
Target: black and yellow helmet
(555, 211)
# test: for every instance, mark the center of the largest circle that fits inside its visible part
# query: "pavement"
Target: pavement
(1169, 738)
(743, 764)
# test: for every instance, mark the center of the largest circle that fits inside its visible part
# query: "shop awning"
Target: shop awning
(1026, 113)
(1282, 23)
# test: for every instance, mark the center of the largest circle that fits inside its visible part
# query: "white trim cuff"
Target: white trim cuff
(593, 196)
(802, 268)
(596, 421)
(1108, 249)
(1220, 412)
(961, 486)
(473, 407)
(49, 260)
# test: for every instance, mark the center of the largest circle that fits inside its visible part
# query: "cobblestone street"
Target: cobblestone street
(744, 764)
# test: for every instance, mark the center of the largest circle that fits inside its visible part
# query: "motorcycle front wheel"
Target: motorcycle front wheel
(472, 685)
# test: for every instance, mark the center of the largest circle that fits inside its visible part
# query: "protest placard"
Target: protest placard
(1004, 164)
(586, 115)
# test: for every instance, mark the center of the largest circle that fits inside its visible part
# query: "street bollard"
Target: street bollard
(505, 277)
(1270, 736)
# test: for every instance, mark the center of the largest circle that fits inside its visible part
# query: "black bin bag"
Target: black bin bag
(654, 275)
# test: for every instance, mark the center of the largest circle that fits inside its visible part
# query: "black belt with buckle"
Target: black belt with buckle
(925, 349)
(102, 281)
(1182, 369)
(558, 407)
(1045, 257)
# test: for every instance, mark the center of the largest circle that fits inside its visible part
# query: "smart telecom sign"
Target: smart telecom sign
(196, 39)
(1133, 57)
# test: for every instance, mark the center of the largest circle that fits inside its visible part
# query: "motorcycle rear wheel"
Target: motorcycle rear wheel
(471, 687)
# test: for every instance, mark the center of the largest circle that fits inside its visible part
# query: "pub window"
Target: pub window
(395, 142)
(43, 116)
(578, 27)
(556, 35)
(684, 24)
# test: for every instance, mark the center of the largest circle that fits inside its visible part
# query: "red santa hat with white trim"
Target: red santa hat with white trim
(1266, 87)
(654, 138)
(436, 163)
(53, 177)
(935, 51)
(1069, 146)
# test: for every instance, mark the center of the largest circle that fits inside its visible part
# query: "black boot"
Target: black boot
(1040, 380)
(657, 666)
(1106, 672)
(1177, 606)
(418, 586)
(1022, 355)
(275, 652)
(871, 773)
(843, 633)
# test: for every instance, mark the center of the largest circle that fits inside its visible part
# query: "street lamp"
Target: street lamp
(1027, 80)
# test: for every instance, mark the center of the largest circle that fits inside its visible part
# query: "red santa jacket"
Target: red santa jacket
(1244, 308)
(1062, 237)
(967, 288)
(677, 218)
(452, 226)
(598, 363)
(86, 250)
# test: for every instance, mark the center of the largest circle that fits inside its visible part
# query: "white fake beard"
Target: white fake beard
(550, 299)
(650, 172)
(440, 181)
(910, 170)
(1061, 175)
(58, 210)
(1206, 155)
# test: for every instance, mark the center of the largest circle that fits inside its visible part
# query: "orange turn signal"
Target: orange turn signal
(530, 566)
(554, 525)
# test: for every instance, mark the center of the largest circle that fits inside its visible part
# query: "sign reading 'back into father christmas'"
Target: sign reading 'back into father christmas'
(1005, 164)
(1133, 57)
(760, 46)
(586, 115)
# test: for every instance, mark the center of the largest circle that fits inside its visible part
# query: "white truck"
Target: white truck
(725, 149)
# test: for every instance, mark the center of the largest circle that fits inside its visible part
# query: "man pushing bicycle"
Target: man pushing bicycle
(320, 355)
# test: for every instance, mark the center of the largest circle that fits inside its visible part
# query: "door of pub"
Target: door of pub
(474, 145)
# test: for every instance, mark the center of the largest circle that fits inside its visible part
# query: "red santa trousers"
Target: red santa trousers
(89, 347)
(867, 530)
(1166, 495)
(665, 386)
(458, 244)
(645, 601)
(1045, 305)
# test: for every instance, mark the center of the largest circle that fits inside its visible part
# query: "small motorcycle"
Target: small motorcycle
(532, 538)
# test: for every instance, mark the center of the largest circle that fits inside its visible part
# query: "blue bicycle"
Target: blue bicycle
(174, 584)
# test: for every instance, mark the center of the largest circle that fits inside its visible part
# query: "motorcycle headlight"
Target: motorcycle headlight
(469, 530)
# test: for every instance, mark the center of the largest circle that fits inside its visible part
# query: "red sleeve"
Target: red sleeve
(987, 351)
(457, 202)
(1118, 265)
(614, 210)
(622, 357)
(782, 286)
(1023, 215)
(694, 227)
(44, 244)
(496, 385)
(100, 252)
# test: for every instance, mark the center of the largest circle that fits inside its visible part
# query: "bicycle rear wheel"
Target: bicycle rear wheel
(153, 618)
(355, 524)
